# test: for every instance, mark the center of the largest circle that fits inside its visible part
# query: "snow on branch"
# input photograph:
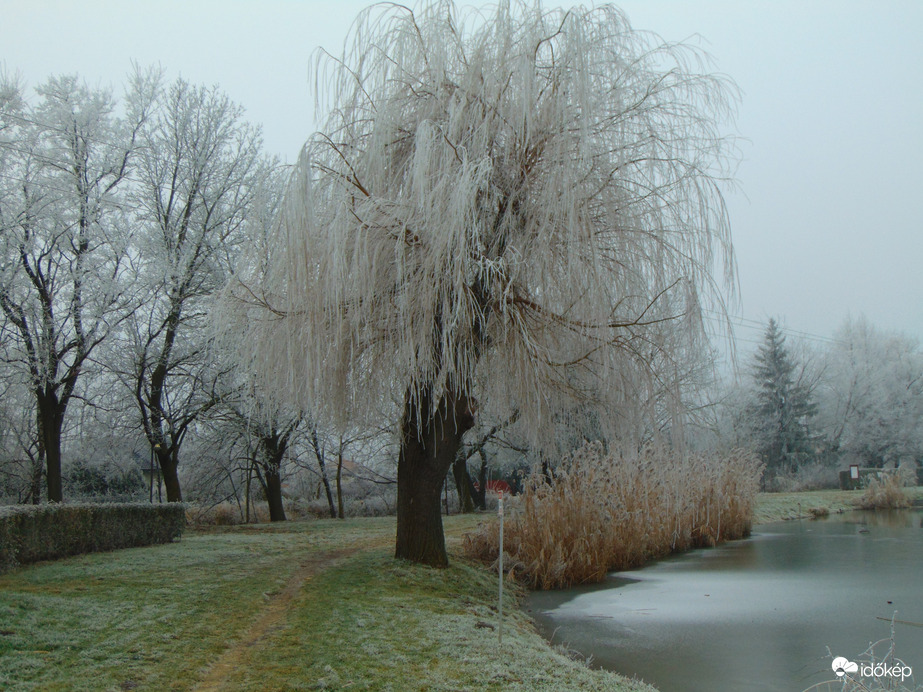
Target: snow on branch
(518, 206)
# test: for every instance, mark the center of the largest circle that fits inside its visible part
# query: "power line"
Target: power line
(747, 323)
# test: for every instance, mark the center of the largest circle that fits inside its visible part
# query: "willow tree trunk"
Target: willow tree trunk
(274, 493)
(430, 440)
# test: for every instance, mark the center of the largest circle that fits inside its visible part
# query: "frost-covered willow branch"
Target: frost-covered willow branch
(524, 207)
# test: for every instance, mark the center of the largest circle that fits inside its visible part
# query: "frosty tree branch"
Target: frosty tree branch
(522, 211)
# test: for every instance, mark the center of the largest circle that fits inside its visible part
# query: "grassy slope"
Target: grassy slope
(157, 618)
(145, 615)
(779, 506)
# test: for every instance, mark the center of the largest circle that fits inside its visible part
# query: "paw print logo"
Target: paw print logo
(841, 666)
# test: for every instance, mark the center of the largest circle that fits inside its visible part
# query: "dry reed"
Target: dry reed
(602, 512)
(885, 494)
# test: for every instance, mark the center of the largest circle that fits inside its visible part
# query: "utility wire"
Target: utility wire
(747, 323)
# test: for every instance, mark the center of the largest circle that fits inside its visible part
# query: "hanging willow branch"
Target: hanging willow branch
(519, 207)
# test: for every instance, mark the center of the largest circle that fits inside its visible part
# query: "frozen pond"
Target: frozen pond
(758, 614)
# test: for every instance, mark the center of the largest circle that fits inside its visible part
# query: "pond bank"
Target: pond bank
(758, 614)
(211, 607)
(772, 507)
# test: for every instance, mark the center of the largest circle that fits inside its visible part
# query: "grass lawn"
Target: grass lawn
(305, 605)
(779, 506)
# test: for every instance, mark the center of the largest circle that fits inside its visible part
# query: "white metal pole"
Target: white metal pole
(500, 606)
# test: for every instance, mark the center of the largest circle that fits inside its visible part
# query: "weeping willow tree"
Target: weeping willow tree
(521, 210)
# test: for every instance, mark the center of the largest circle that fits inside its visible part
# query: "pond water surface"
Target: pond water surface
(756, 614)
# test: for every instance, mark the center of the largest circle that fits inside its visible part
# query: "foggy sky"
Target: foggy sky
(827, 222)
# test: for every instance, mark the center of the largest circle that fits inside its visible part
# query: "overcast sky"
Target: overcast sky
(829, 219)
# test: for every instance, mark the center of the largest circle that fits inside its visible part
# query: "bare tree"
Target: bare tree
(199, 165)
(267, 434)
(63, 244)
(469, 494)
(267, 431)
(871, 396)
(520, 210)
(21, 468)
(319, 448)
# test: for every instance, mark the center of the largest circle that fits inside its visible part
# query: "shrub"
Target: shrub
(7, 547)
(93, 483)
(812, 476)
(884, 494)
(908, 474)
(606, 512)
(363, 500)
(232, 514)
(29, 533)
(225, 514)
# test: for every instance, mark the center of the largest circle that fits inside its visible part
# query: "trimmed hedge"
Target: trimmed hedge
(29, 533)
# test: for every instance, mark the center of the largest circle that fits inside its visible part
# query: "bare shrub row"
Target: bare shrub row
(600, 512)
(231, 513)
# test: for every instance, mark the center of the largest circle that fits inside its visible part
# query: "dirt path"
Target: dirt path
(270, 619)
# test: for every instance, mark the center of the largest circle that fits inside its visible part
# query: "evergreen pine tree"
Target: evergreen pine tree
(782, 408)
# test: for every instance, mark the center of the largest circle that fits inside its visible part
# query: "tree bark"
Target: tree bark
(463, 485)
(50, 421)
(470, 495)
(481, 497)
(321, 462)
(327, 491)
(35, 485)
(169, 468)
(430, 440)
(274, 493)
(340, 513)
(274, 443)
(250, 465)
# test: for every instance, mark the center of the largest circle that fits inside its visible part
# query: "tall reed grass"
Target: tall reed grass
(601, 512)
(885, 493)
